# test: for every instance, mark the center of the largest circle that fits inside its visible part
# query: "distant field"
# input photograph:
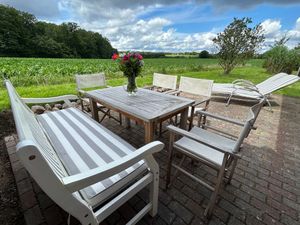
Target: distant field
(50, 77)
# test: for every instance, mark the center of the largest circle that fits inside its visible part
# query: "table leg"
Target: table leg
(149, 130)
(183, 118)
(94, 109)
(127, 122)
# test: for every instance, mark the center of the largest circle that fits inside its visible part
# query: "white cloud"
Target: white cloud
(120, 21)
(271, 27)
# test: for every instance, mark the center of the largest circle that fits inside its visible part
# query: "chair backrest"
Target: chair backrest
(252, 116)
(276, 82)
(196, 86)
(40, 159)
(90, 80)
(164, 81)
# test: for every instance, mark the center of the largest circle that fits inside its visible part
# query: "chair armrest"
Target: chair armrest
(149, 87)
(199, 102)
(175, 92)
(198, 138)
(230, 120)
(79, 181)
(169, 91)
(65, 98)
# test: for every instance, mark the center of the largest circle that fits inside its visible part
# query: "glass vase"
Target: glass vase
(131, 85)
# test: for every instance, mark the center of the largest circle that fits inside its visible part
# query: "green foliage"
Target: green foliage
(204, 54)
(281, 59)
(237, 43)
(22, 35)
(39, 71)
(29, 74)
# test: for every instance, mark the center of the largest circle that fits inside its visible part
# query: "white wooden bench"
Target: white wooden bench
(83, 167)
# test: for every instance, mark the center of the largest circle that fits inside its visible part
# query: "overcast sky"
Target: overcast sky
(168, 25)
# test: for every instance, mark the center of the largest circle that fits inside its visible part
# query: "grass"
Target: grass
(58, 74)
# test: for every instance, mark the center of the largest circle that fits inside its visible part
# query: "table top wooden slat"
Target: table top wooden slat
(146, 105)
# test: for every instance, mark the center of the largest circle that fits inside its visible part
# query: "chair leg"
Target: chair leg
(154, 186)
(234, 163)
(105, 114)
(81, 103)
(120, 119)
(211, 204)
(160, 129)
(170, 158)
(176, 170)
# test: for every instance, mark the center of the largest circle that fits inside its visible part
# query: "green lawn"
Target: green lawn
(62, 79)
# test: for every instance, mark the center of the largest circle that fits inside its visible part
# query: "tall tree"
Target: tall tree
(237, 43)
(22, 35)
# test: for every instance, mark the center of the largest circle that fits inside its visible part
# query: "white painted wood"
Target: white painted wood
(140, 215)
(63, 98)
(196, 86)
(77, 182)
(123, 197)
(90, 80)
(147, 105)
(41, 160)
(246, 89)
(164, 81)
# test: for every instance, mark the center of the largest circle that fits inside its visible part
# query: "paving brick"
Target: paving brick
(251, 220)
(291, 204)
(270, 220)
(234, 221)
(181, 211)
(53, 215)
(178, 221)
(285, 219)
(232, 209)
(24, 186)
(33, 216)
(21, 174)
(166, 214)
(28, 200)
(197, 221)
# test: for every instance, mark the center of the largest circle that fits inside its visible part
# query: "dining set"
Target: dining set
(90, 172)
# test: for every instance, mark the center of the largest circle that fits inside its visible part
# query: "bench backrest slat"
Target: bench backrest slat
(28, 128)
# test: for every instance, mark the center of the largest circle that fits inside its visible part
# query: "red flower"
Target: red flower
(140, 57)
(115, 56)
(126, 57)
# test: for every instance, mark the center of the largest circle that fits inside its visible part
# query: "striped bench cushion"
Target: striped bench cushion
(83, 144)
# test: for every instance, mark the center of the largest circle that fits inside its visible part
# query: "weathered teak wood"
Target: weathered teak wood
(147, 107)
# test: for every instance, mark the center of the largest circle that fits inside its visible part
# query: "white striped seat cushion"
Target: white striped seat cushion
(83, 144)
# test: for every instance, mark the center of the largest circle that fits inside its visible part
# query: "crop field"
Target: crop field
(37, 77)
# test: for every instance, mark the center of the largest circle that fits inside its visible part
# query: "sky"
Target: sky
(168, 25)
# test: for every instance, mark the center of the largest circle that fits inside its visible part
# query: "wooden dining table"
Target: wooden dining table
(147, 107)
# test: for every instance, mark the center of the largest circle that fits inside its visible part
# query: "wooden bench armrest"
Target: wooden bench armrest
(79, 181)
(195, 137)
(64, 98)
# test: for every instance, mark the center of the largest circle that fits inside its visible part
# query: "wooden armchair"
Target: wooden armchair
(88, 81)
(215, 148)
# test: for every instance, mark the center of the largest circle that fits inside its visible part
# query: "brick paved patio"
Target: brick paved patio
(265, 188)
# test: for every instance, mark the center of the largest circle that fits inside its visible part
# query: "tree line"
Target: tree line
(22, 35)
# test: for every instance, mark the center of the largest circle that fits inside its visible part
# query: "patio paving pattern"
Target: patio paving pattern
(265, 188)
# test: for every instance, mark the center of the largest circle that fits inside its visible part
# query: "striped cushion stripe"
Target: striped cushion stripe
(83, 144)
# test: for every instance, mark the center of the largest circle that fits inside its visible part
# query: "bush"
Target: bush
(281, 59)
(204, 54)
